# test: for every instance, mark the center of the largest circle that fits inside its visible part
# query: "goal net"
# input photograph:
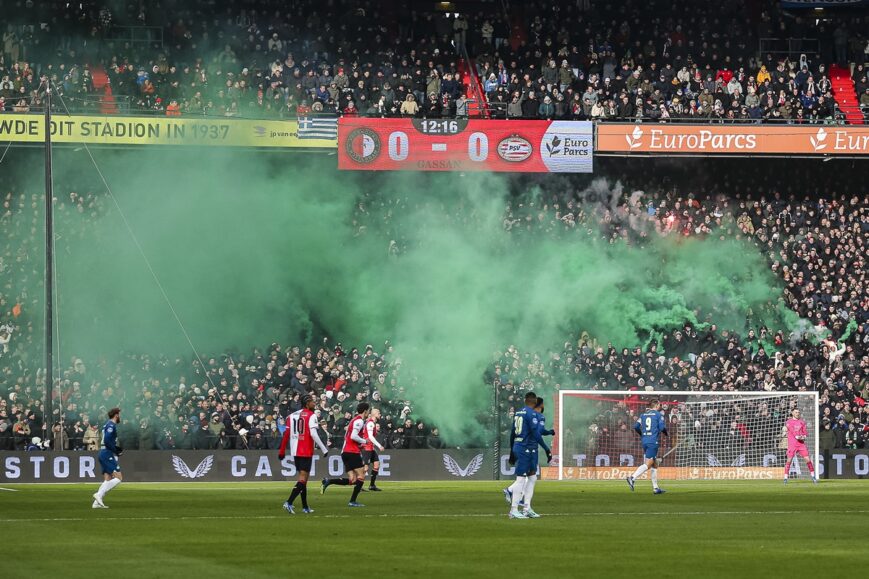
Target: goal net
(712, 435)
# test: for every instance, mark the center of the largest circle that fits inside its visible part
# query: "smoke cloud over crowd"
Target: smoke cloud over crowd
(252, 249)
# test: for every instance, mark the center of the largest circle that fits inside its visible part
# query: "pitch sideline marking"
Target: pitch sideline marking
(441, 516)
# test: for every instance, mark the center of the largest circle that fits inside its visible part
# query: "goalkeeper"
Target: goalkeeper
(796, 431)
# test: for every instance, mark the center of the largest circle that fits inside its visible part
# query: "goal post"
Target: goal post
(712, 435)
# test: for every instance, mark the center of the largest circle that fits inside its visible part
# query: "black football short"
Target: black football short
(352, 460)
(303, 463)
(370, 456)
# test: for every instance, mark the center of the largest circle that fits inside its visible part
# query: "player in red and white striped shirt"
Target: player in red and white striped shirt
(301, 433)
(369, 454)
(351, 455)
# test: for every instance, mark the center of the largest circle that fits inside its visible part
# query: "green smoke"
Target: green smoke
(252, 248)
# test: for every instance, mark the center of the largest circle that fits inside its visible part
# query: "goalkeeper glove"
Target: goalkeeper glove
(548, 457)
(118, 450)
(512, 460)
(281, 456)
(325, 453)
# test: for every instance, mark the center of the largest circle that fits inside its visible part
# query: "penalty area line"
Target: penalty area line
(9, 490)
(439, 516)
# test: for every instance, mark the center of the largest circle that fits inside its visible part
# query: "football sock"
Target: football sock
(304, 494)
(654, 475)
(811, 466)
(787, 468)
(518, 490)
(107, 486)
(356, 489)
(640, 470)
(296, 491)
(529, 491)
(339, 481)
(373, 477)
(102, 490)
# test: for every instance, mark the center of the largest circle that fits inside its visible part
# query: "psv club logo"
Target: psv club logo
(363, 145)
(514, 149)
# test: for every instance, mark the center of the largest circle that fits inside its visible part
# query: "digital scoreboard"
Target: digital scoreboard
(465, 145)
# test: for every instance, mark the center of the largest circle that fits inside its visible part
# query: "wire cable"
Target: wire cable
(153, 273)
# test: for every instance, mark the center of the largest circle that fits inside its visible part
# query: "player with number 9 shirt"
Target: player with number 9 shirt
(650, 426)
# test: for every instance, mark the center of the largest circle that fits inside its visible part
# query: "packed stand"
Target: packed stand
(816, 244)
(541, 60)
(645, 61)
(253, 59)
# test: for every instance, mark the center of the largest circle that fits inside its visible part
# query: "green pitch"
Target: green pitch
(456, 529)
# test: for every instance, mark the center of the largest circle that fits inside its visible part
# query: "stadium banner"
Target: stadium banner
(824, 3)
(732, 139)
(224, 132)
(397, 465)
(231, 465)
(667, 473)
(842, 464)
(465, 145)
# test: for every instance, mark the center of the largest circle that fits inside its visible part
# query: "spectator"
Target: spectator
(91, 438)
(7, 443)
(514, 108)
(462, 107)
(21, 433)
(173, 109)
(409, 108)
(546, 110)
(60, 439)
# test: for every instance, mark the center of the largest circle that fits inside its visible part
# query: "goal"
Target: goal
(713, 435)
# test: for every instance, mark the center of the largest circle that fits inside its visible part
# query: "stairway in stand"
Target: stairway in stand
(466, 69)
(846, 97)
(103, 88)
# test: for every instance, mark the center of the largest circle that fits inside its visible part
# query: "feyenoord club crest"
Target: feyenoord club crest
(363, 145)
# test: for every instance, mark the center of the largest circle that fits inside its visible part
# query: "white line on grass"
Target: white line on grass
(9, 490)
(441, 516)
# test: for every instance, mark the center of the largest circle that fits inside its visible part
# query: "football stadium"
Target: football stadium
(331, 287)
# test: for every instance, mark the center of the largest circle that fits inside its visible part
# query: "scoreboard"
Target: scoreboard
(465, 145)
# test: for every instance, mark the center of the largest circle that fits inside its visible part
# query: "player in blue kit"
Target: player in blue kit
(650, 426)
(524, 439)
(525, 501)
(108, 456)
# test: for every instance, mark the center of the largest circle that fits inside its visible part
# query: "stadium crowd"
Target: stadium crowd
(813, 236)
(552, 60)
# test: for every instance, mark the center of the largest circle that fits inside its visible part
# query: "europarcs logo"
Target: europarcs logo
(567, 146)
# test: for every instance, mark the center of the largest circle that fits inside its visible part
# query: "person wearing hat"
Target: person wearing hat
(839, 431)
(302, 434)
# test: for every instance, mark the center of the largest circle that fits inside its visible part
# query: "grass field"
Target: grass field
(708, 529)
